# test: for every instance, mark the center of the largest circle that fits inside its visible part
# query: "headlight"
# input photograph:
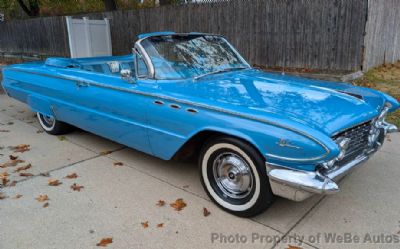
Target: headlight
(343, 144)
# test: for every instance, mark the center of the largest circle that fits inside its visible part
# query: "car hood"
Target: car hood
(326, 106)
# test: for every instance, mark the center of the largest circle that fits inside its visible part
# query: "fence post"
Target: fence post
(68, 20)
(108, 35)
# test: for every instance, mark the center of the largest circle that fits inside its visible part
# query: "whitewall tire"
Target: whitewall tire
(52, 126)
(234, 176)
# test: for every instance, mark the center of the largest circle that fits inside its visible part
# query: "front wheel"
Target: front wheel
(53, 126)
(234, 176)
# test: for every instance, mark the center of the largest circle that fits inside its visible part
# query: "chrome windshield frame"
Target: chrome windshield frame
(150, 65)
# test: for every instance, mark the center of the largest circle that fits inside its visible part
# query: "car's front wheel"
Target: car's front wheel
(234, 176)
(52, 125)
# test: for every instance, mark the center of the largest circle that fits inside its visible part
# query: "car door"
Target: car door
(109, 106)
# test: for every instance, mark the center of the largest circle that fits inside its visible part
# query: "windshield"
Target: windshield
(191, 56)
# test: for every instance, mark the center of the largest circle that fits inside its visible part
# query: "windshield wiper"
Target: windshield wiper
(220, 71)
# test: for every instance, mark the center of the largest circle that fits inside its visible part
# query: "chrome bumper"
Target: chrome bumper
(299, 185)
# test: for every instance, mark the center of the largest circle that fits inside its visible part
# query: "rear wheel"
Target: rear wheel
(53, 126)
(234, 176)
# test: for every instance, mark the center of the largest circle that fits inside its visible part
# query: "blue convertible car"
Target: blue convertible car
(255, 134)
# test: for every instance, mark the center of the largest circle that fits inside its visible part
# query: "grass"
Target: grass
(385, 78)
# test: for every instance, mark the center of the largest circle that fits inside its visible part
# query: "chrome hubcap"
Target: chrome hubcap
(49, 120)
(232, 175)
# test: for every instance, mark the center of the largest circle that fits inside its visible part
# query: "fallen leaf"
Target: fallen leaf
(118, 164)
(4, 130)
(12, 184)
(106, 152)
(293, 247)
(42, 198)
(104, 242)
(23, 168)
(54, 182)
(71, 176)
(3, 196)
(20, 148)
(4, 181)
(76, 187)
(178, 205)
(160, 225)
(46, 205)
(61, 138)
(12, 158)
(206, 212)
(145, 224)
(11, 163)
(4, 174)
(160, 203)
(4, 178)
(25, 174)
(16, 196)
(46, 174)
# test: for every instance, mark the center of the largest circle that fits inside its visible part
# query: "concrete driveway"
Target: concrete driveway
(116, 200)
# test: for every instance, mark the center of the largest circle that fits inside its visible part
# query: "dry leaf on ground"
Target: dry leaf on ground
(28, 166)
(178, 205)
(118, 164)
(106, 152)
(46, 205)
(206, 212)
(54, 182)
(145, 224)
(12, 184)
(160, 225)
(25, 174)
(71, 176)
(293, 247)
(13, 157)
(76, 187)
(20, 148)
(42, 198)
(17, 196)
(3, 196)
(104, 242)
(11, 163)
(160, 203)
(45, 174)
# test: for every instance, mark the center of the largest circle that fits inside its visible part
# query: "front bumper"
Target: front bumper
(298, 185)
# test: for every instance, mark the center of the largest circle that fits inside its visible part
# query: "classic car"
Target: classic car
(256, 135)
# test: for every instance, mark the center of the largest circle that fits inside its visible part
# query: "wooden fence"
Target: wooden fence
(315, 34)
(39, 36)
(382, 40)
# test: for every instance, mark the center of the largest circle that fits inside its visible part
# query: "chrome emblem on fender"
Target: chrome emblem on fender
(285, 143)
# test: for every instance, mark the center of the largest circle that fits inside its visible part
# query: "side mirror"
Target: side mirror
(126, 74)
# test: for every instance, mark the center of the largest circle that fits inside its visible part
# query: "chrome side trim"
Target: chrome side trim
(207, 107)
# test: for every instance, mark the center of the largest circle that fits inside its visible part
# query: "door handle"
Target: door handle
(82, 84)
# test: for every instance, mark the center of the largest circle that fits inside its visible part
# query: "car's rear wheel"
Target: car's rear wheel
(234, 176)
(53, 126)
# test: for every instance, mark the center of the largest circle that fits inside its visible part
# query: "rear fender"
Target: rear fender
(40, 104)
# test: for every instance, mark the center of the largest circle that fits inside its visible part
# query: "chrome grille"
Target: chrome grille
(358, 141)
